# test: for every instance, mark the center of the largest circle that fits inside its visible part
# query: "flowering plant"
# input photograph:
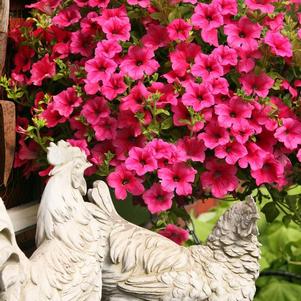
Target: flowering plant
(172, 100)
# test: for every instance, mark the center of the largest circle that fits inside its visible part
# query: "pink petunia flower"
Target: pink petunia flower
(117, 29)
(45, 6)
(52, 116)
(271, 171)
(247, 59)
(105, 129)
(243, 33)
(226, 7)
(289, 133)
(139, 61)
(126, 138)
(141, 3)
(214, 135)
(210, 36)
(178, 29)
(218, 86)
(207, 67)
(198, 96)
(157, 199)
(264, 6)
(235, 113)
(81, 143)
(279, 44)
(99, 68)
(193, 147)
(79, 127)
(95, 109)
(67, 16)
(178, 177)
(141, 161)
(113, 86)
(258, 84)
(136, 99)
(99, 3)
(231, 152)
(243, 133)
(160, 148)
(66, 101)
(156, 37)
(275, 23)
(206, 16)
(107, 48)
(22, 59)
(124, 180)
(176, 234)
(225, 55)
(44, 68)
(81, 43)
(220, 178)
(254, 158)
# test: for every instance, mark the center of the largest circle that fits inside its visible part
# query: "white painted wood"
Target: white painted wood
(24, 217)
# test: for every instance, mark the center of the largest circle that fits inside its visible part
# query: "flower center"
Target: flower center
(125, 181)
(139, 63)
(176, 178)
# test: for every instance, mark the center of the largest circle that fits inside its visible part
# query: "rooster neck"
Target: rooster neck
(60, 204)
(239, 254)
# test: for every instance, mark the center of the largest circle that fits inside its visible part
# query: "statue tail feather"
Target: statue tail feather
(100, 195)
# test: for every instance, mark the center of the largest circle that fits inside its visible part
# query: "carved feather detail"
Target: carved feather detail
(142, 265)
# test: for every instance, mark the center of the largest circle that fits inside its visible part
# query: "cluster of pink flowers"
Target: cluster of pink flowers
(199, 101)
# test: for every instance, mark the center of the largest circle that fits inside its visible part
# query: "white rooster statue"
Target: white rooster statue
(67, 264)
(142, 265)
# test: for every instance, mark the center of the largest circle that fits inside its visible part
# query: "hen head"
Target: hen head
(242, 218)
(71, 161)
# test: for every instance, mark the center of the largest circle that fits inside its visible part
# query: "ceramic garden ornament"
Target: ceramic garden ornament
(86, 251)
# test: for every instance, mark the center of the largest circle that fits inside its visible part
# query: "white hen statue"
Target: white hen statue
(67, 264)
(142, 265)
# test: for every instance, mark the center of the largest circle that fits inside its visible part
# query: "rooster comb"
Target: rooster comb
(63, 152)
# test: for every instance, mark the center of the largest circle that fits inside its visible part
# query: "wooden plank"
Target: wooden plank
(7, 139)
(4, 18)
(24, 217)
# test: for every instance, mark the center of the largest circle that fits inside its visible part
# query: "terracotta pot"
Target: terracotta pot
(201, 206)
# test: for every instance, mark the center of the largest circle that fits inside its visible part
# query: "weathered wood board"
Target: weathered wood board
(4, 17)
(7, 139)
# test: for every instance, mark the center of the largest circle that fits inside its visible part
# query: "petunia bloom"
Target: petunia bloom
(157, 199)
(243, 33)
(124, 180)
(178, 29)
(66, 101)
(289, 133)
(139, 61)
(279, 44)
(176, 234)
(141, 161)
(220, 178)
(264, 6)
(44, 68)
(178, 177)
(259, 84)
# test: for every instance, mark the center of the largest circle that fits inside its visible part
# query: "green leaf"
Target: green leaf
(286, 220)
(271, 212)
(167, 123)
(279, 291)
(162, 111)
